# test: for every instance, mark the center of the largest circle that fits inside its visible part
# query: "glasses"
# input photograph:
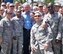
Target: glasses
(9, 13)
(11, 6)
(3, 5)
(38, 16)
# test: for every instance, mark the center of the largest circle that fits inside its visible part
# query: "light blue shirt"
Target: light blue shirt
(27, 20)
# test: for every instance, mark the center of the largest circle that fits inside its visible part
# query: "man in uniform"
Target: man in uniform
(60, 31)
(18, 33)
(53, 19)
(6, 33)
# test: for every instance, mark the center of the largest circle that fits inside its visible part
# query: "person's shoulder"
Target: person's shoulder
(33, 27)
(3, 19)
(14, 18)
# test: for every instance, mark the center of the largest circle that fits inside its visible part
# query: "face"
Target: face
(35, 9)
(56, 8)
(19, 8)
(62, 11)
(17, 3)
(37, 18)
(45, 10)
(11, 7)
(3, 6)
(27, 8)
(40, 8)
(2, 11)
(18, 13)
(7, 5)
(32, 15)
(9, 15)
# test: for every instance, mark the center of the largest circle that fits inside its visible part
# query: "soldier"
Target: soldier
(53, 19)
(60, 32)
(6, 33)
(40, 37)
(18, 33)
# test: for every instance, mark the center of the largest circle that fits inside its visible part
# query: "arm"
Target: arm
(32, 41)
(59, 29)
(49, 34)
(1, 31)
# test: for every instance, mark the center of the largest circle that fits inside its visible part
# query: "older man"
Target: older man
(26, 28)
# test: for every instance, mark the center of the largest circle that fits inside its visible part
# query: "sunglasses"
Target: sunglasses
(9, 13)
(11, 6)
(3, 5)
(38, 16)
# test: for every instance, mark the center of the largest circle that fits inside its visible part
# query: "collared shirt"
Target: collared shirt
(27, 20)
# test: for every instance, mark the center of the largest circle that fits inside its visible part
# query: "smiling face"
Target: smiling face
(45, 9)
(26, 7)
(37, 17)
(9, 14)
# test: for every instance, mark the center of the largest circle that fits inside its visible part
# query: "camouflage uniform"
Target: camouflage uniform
(53, 20)
(6, 33)
(18, 34)
(40, 36)
(60, 32)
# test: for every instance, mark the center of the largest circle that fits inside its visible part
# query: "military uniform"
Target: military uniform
(60, 32)
(53, 20)
(40, 36)
(6, 33)
(18, 34)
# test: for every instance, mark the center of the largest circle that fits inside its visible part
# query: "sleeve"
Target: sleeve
(13, 26)
(49, 35)
(1, 28)
(59, 29)
(32, 38)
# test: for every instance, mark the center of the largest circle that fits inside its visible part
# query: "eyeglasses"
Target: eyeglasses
(3, 5)
(9, 13)
(11, 6)
(38, 16)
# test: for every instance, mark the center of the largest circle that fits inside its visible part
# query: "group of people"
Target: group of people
(26, 29)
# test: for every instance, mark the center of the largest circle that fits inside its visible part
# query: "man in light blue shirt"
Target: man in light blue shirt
(26, 28)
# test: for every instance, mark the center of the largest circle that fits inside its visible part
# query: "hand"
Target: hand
(14, 37)
(33, 49)
(58, 41)
(46, 46)
(43, 25)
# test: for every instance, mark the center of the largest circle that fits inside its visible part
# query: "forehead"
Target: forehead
(37, 14)
(18, 11)
(57, 6)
